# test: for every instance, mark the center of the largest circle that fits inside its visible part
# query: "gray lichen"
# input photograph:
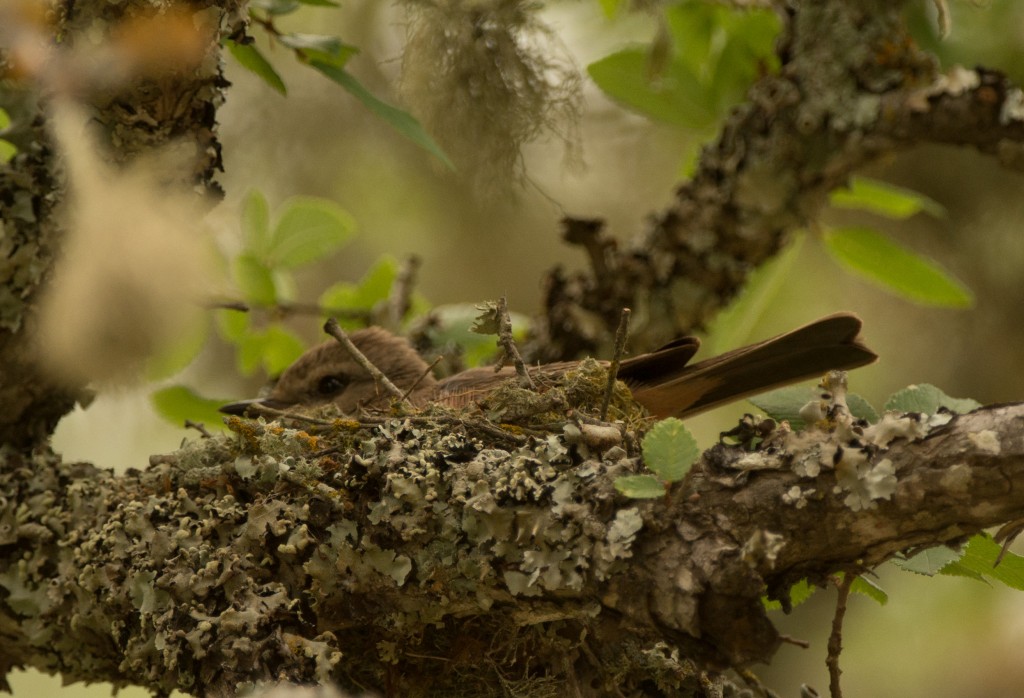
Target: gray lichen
(344, 555)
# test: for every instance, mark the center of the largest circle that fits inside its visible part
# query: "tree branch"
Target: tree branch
(853, 87)
(248, 557)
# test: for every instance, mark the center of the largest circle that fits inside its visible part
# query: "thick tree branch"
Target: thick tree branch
(377, 564)
(853, 87)
(135, 113)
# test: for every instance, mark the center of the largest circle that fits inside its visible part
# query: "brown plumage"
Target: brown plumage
(661, 381)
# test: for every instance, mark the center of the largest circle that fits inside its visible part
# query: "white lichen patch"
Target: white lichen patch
(863, 481)
(986, 440)
(1013, 107)
(894, 426)
(809, 457)
(762, 546)
(957, 479)
(797, 497)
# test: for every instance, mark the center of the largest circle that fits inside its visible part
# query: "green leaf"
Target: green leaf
(861, 408)
(979, 558)
(7, 150)
(902, 271)
(309, 229)
(798, 593)
(669, 449)
(868, 588)
(926, 398)
(254, 279)
(885, 199)
(249, 356)
(5, 119)
(726, 49)
(273, 350)
(373, 288)
(675, 96)
(280, 348)
(640, 486)
(611, 8)
(400, 120)
(232, 324)
(176, 356)
(928, 562)
(256, 223)
(178, 403)
(329, 50)
(786, 403)
(320, 3)
(250, 58)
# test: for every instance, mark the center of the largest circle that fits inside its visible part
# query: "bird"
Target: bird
(663, 381)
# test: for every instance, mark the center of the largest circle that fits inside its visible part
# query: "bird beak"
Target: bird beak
(244, 407)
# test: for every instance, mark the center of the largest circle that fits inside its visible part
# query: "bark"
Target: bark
(418, 560)
(428, 556)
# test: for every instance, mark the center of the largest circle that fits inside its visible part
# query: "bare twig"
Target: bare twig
(790, 640)
(613, 369)
(835, 640)
(332, 328)
(239, 306)
(508, 344)
(400, 298)
(198, 426)
(281, 309)
(264, 409)
(423, 375)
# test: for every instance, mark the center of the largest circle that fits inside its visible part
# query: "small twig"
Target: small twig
(332, 328)
(613, 369)
(420, 379)
(400, 298)
(240, 306)
(790, 640)
(835, 640)
(283, 309)
(289, 415)
(198, 426)
(508, 344)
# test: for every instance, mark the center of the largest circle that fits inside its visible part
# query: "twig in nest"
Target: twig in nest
(332, 328)
(400, 298)
(419, 380)
(835, 640)
(613, 369)
(198, 426)
(263, 409)
(508, 344)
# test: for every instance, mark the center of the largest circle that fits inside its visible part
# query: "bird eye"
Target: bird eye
(331, 385)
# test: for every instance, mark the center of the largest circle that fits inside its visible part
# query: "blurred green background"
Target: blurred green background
(319, 141)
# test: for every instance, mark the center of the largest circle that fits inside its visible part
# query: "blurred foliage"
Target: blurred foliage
(7, 149)
(306, 230)
(699, 65)
(328, 55)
